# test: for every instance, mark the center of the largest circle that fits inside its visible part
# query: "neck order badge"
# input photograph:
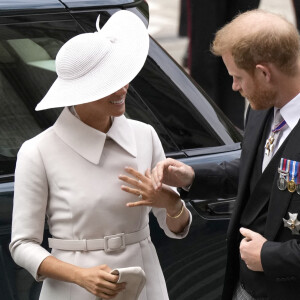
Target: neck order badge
(271, 141)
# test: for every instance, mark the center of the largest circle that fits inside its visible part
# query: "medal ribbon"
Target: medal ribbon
(293, 172)
(290, 167)
(284, 165)
(279, 127)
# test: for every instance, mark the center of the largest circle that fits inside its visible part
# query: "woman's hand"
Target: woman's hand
(142, 187)
(99, 281)
(96, 280)
(177, 215)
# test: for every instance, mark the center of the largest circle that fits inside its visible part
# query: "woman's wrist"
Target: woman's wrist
(77, 276)
(177, 214)
(175, 208)
(172, 200)
(52, 267)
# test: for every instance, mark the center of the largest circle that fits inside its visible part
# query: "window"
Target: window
(27, 70)
(183, 123)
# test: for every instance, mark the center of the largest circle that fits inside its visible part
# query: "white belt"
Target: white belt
(109, 243)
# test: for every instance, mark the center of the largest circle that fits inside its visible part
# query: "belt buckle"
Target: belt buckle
(120, 237)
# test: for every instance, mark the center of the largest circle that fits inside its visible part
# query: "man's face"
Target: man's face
(259, 95)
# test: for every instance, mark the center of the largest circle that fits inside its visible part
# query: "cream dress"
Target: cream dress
(70, 174)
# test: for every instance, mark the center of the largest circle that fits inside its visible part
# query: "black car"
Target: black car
(189, 125)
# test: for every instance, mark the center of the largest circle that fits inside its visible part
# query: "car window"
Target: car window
(27, 70)
(24, 62)
(137, 109)
(182, 121)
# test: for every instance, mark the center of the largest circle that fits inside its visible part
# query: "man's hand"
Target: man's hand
(250, 249)
(172, 172)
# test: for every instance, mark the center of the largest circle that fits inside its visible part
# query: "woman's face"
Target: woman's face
(112, 105)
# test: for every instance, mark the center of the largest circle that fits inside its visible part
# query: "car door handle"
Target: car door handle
(214, 208)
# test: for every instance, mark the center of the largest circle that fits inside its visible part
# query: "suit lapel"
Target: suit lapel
(254, 130)
(253, 137)
(280, 200)
(260, 195)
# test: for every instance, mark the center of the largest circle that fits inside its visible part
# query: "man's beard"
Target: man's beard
(261, 98)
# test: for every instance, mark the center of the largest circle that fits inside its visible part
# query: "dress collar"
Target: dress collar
(89, 142)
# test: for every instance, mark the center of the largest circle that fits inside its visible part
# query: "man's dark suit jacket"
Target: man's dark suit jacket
(281, 253)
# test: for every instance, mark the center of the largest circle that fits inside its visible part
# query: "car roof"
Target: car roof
(86, 3)
(29, 4)
(24, 5)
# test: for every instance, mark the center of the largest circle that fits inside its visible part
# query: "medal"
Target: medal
(281, 183)
(283, 171)
(292, 223)
(293, 173)
(288, 175)
(291, 186)
(270, 143)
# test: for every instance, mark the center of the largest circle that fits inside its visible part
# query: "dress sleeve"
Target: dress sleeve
(30, 202)
(160, 213)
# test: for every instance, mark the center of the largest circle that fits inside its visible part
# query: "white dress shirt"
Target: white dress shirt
(291, 114)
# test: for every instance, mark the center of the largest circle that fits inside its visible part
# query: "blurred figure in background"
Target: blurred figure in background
(297, 13)
(183, 28)
(204, 18)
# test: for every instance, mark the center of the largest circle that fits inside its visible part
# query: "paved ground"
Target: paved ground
(164, 18)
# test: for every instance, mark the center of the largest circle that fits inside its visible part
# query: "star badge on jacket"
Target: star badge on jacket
(292, 223)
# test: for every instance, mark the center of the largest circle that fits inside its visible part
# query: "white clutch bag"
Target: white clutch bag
(135, 279)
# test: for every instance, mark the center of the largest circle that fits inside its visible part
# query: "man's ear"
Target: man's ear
(263, 71)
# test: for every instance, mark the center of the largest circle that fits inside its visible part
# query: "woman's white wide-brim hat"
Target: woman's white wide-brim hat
(91, 66)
